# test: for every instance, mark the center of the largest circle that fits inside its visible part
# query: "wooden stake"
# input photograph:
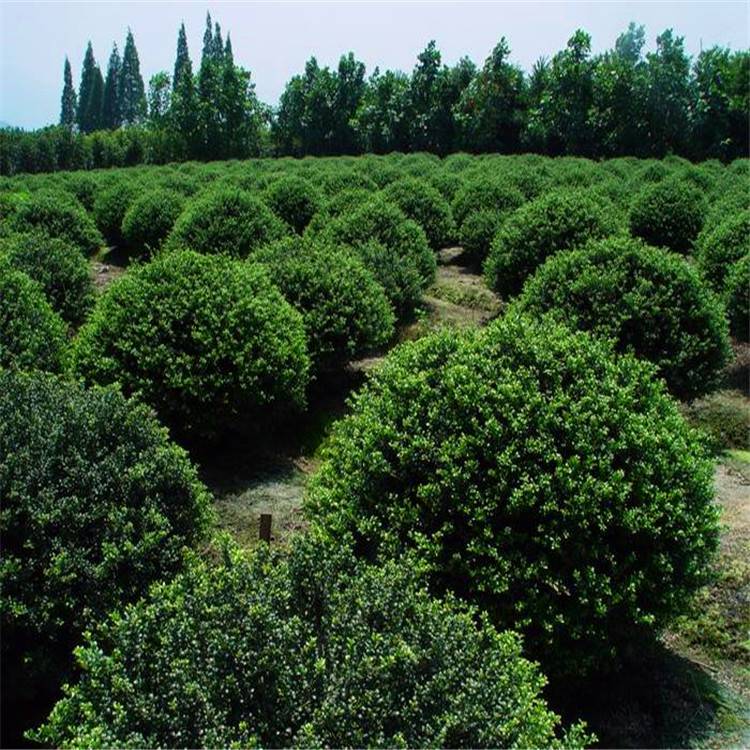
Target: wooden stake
(264, 532)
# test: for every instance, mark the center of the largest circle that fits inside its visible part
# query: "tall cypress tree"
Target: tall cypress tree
(208, 39)
(182, 61)
(132, 90)
(68, 101)
(111, 104)
(217, 48)
(90, 93)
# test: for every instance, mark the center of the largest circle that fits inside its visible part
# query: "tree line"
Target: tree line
(620, 102)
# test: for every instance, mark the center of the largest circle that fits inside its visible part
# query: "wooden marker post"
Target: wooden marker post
(264, 532)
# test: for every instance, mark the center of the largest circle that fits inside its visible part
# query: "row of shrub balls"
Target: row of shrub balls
(528, 491)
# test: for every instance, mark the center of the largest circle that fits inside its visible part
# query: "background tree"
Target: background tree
(159, 98)
(381, 122)
(68, 100)
(350, 88)
(132, 91)
(111, 115)
(90, 94)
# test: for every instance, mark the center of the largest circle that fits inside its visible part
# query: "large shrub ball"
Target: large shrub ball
(423, 203)
(149, 220)
(345, 310)
(58, 267)
(208, 341)
(32, 334)
(648, 302)
(721, 245)
(58, 216)
(226, 220)
(668, 214)
(380, 221)
(309, 650)
(561, 220)
(536, 474)
(737, 298)
(97, 503)
(485, 193)
(110, 207)
(295, 200)
(478, 231)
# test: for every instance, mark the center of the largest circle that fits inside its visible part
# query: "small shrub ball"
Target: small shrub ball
(485, 193)
(720, 246)
(110, 207)
(561, 220)
(149, 220)
(648, 302)
(345, 310)
(97, 504)
(59, 268)
(477, 233)
(294, 200)
(32, 334)
(668, 214)
(311, 649)
(535, 474)
(209, 342)
(227, 221)
(737, 298)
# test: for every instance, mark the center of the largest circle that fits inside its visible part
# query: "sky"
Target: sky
(274, 39)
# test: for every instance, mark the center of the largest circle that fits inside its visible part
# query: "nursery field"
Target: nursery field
(498, 408)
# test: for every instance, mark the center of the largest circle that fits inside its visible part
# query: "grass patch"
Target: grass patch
(724, 417)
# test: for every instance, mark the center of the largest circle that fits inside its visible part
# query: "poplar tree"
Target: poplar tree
(182, 62)
(132, 90)
(208, 39)
(68, 102)
(183, 111)
(111, 115)
(90, 92)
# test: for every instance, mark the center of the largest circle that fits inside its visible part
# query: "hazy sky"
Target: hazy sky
(273, 39)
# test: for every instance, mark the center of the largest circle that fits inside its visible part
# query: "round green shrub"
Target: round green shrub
(719, 246)
(536, 474)
(737, 298)
(58, 267)
(228, 221)
(408, 252)
(32, 334)
(344, 179)
(648, 302)
(110, 207)
(345, 310)
(309, 650)
(149, 220)
(561, 220)
(208, 341)
(82, 186)
(295, 200)
(97, 504)
(446, 183)
(668, 214)
(478, 231)
(485, 193)
(57, 216)
(423, 203)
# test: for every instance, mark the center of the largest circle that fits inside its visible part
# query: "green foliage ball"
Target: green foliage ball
(110, 207)
(719, 246)
(226, 220)
(737, 298)
(313, 649)
(668, 214)
(646, 301)
(58, 267)
(485, 193)
(535, 474)
(295, 200)
(208, 341)
(561, 220)
(149, 220)
(478, 231)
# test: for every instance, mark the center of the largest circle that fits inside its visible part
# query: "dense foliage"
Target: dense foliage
(97, 504)
(110, 206)
(208, 341)
(536, 475)
(668, 214)
(648, 302)
(295, 200)
(310, 650)
(560, 220)
(478, 231)
(722, 244)
(149, 219)
(485, 193)
(345, 310)
(58, 267)
(737, 298)
(32, 334)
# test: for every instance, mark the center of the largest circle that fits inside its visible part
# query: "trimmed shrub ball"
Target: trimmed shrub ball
(485, 193)
(536, 474)
(150, 219)
(562, 220)
(32, 334)
(295, 200)
(668, 214)
(737, 298)
(648, 302)
(226, 220)
(423, 203)
(59, 268)
(345, 310)
(97, 504)
(209, 342)
(312, 649)
(57, 216)
(110, 207)
(380, 221)
(719, 247)
(478, 231)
